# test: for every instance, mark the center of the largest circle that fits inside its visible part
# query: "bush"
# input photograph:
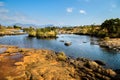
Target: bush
(112, 26)
(39, 33)
(43, 33)
(61, 56)
(32, 33)
(106, 38)
(102, 34)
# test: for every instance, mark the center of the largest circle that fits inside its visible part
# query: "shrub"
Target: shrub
(61, 56)
(106, 38)
(39, 33)
(32, 33)
(51, 34)
(43, 33)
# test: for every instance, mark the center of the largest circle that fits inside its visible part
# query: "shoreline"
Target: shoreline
(112, 44)
(20, 33)
(11, 32)
(39, 64)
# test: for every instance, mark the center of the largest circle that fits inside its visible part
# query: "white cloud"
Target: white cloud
(83, 12)
(11, 17)
(69, 10)
(1, 3)
(8, 17)
(17, 19)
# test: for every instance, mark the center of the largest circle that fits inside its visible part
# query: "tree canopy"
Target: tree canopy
(112, 25)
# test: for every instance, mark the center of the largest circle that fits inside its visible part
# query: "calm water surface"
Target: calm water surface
(81, 47)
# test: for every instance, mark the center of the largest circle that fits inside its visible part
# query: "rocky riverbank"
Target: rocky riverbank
(31, 64)
(113, 44)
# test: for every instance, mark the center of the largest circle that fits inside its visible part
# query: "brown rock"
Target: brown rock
(111, 72)
(92, 65)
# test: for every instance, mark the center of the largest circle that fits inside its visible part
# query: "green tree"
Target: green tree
(17, 27)
(112, 26)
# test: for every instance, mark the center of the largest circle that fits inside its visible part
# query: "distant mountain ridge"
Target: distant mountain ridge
(34, 25)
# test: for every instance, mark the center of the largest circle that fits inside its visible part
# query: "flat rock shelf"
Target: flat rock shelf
(41, 64)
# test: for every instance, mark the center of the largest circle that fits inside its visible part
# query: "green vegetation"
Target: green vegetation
(10, 30)
(48, 32)
(106, 38)
(45, 33)
(61, 56)
(17, 27)
(112, 27)
(2, 30)
(28, 29)
(109, 28)
(32, 33)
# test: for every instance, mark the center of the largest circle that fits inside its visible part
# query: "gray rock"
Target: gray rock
(61, 40)
(68, 43)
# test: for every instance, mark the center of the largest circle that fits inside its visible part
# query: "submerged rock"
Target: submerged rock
(84, 42)
(61, 40)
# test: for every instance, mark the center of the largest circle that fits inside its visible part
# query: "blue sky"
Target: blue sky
(58, 12)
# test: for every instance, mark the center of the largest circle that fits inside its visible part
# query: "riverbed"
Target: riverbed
(81, 47)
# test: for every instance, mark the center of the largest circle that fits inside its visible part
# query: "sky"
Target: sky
(58, 12)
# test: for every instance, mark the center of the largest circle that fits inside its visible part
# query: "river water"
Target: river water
(81, 47)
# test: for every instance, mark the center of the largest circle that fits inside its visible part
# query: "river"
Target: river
(81, 47)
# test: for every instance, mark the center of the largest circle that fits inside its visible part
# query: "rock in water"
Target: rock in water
(68, 43)
(61, 40)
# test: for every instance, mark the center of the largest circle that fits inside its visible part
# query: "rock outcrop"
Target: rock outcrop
(113, 44)
(31, 64)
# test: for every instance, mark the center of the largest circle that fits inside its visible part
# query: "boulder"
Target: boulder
(68, 43)
(92, 65)
(111, 73)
